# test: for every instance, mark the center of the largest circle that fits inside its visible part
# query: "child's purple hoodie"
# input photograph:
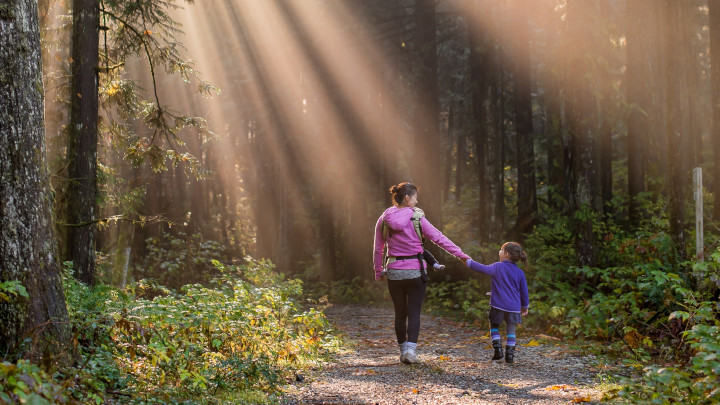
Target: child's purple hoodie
(403, 241)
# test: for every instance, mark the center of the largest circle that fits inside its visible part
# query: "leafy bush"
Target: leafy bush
(177, 260)
(696, 382)
(244, 335)
(25, 382)
(466, 297)
(355, 291)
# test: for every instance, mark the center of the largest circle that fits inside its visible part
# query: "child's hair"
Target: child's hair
(515, 251)
(401, 190)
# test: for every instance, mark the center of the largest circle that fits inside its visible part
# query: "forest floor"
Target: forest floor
(454, 367)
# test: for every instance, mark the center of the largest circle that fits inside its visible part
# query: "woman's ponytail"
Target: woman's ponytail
(401, 190)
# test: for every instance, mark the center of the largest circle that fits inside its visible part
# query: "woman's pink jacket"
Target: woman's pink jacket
(403, 241)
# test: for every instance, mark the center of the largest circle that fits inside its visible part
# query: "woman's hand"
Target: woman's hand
(524, 311)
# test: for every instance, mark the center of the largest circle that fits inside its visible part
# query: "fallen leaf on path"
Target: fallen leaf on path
(582, 399)
(509, 385)
(532, 343)
(560, 387)
(364, 372)
(541, 336)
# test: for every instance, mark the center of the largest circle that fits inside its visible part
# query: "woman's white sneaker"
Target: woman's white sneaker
(410, 357)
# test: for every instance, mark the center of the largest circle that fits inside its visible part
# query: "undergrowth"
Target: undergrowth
(238, 340)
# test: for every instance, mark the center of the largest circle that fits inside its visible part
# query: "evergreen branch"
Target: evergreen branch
(143, 220)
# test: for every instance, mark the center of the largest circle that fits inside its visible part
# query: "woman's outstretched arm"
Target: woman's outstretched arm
(441, 240)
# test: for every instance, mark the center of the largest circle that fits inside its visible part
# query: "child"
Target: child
(509, 296)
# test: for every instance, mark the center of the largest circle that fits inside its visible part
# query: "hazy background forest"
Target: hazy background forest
(183, 138)
(507, 114)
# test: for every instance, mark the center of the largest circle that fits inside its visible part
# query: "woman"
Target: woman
(406, 279)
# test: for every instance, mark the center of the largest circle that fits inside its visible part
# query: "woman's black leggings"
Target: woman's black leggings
(407, 297)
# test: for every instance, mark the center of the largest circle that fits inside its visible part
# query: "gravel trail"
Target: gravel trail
(454, 367)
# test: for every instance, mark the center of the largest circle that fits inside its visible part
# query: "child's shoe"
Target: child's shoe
(509, 354)
(438, 266)
(498, 354)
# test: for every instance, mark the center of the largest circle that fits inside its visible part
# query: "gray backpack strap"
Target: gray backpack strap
(417, 216)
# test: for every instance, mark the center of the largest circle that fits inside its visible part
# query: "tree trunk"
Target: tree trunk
(452, 141)
(427, 142)
(714, 25)
(676, 157)
(496, 151)
(479, 73)
(605, 144)
(580, 102)
(82, 150)
(527, 196)
(691, 91)
(461, 154)
(27, 240)
(638, 59)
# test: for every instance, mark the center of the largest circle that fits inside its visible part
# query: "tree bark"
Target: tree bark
(580, 102)
(691, 66)
(427, 143)
(82, 150)
(479, 75)
(27, 240)
(527, 196)
(714, 25)
(676, 156)
(638, 59)
(606, 115)
(460, 154)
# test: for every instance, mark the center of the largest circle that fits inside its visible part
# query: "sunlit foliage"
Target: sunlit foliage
(247, 333)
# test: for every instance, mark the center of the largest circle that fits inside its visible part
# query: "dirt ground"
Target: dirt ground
(454, 368)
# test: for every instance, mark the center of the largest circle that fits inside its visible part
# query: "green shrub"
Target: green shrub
(176, 260)
(696, 382)
(467, 298)
(244, 334)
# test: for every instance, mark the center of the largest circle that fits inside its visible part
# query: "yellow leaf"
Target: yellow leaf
(559, 387)
(444, 358)
(582, 399)
(533, 343)
(415, 391)
(633, 339)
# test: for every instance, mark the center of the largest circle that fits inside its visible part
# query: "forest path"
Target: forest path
(454, 367)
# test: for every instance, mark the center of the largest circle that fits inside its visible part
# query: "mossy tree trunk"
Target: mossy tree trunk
(27, 241)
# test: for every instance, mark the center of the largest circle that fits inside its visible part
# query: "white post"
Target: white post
(698, 194)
